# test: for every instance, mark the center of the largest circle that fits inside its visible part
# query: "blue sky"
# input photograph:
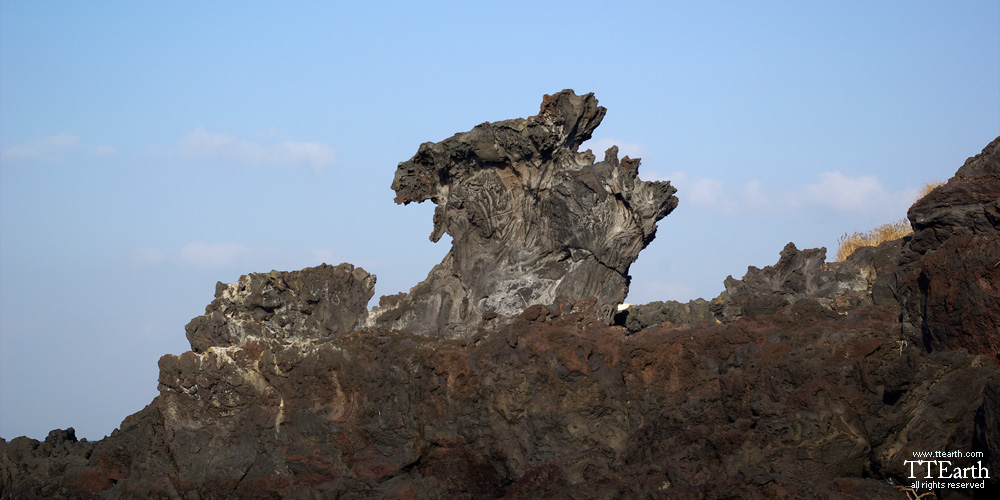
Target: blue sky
(148, 150)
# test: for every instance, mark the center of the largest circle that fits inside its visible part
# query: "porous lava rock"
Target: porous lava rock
(532, 220)
(819, 393)
(313, 303)
(867, 277)
(797, 275)
(950, 270)
(638, 317)
(799, 403)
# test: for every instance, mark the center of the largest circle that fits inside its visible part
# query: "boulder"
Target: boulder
(316, 302)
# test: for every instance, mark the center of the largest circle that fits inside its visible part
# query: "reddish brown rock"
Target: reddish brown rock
(950, 274)
(817, 391)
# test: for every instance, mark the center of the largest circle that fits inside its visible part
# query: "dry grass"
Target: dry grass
(848, 243)
(924, 191)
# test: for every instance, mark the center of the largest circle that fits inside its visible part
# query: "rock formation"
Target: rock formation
(864, 278)
(532, 220)
(314, 303)
(803, 380)
(950, 270)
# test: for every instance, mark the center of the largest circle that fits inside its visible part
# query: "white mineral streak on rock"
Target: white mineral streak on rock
(532, 220)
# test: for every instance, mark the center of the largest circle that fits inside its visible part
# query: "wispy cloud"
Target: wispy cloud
(202, 144)
(323, 255)
(48, 149)
(203, 254)
(104, 150)
(52, 149)
(832, 191)
(649, 291)
(599, 146)
(149, 256)
(843, 193)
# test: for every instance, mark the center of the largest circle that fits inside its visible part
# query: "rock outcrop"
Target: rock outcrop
(314, 303)
(867, 277)
(950, 271)
(532, 220)
(805, 274)
(803, 380)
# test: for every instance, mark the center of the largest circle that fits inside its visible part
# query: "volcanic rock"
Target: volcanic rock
(806, 384)
(950, 270)
(668, 313)
(313, 303)
(798, 274)
(865, 278)
(532, 220)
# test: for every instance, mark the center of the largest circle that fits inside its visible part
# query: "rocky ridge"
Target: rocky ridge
(532, 220)
(805, 379)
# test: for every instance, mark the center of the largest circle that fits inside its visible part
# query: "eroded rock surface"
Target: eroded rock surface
(950, 271)
(802, 274)
(313, 303)
(816, 390)
(799, 403)
(532, 220)
(867, 277)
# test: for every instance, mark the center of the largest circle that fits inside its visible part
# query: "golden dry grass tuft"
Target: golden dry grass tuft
(924, 191)
(848, 243)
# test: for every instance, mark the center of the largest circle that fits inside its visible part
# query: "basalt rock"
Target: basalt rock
(814, 392)
(865, 278)
(799, 403)
(797, 275)
(669, 313)
(950, 270)
(532, 220)
(27, 466)
(313, 303)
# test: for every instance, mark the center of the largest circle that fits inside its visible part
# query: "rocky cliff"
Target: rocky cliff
(805, 379)
(532, 220)
(949, 279)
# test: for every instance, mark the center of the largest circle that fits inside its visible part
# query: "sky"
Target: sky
(151, 149)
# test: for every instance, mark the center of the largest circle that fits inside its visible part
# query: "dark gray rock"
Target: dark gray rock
(986, 162)
(805, 274)
(532, 220)
(53, 468)
(315, 302)
(949, 275)
(667, 313)
(806, 390)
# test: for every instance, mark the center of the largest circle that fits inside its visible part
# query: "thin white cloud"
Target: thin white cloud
(202, 144)
(753, 194)
(149, 256)
(599, 146)
(842, 193)
(231, 254)
(660, 290)
(104, 150)
(203, 254)
(710, 193)
(48, 149)
(833, 191)
(52, 149)
(321, 255)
